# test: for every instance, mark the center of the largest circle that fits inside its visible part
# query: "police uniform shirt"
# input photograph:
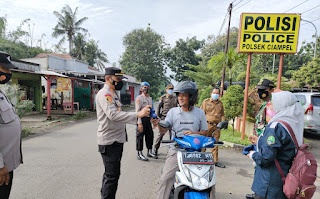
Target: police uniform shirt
(10, 135)
(141, 102)
(112, 120)
(213, 109)
(166, 103)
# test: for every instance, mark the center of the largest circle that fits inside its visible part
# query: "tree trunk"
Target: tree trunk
(230, 77)
(233, 126)
(70, 44)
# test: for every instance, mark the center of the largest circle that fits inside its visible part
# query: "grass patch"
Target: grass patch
(226, 135)
(26, 132)
(80, 115)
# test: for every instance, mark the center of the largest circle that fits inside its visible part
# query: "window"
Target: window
(315, 100)
(302, 99)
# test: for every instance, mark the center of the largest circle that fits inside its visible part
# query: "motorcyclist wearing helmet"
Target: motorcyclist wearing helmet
(185, 120)
(144, 127)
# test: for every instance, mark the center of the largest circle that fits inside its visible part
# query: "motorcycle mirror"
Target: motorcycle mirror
(223, 125)
(164, 124)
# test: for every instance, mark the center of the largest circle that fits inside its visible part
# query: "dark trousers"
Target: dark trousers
(111, 157)
(147, 133)
(5, 189)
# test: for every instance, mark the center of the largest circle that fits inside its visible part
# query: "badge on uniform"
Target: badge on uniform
(109, 98)
(271, 140)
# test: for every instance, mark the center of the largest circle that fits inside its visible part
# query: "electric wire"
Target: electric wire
(224, 21)
(241, 5)
(238, 3)
(296, 6)
(310, 9)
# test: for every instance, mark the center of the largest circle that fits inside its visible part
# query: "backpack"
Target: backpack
(299, 182)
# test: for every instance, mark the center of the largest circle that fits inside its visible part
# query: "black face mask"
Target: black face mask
(119, 85)
(146, 90)
(263, 94)
(8, 77)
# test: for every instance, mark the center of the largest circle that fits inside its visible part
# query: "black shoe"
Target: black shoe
(141, 156)
(155, 152)
(151, 155)
(219, 165)
(250, 196)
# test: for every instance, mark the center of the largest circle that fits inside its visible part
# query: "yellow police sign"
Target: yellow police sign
(268, 33)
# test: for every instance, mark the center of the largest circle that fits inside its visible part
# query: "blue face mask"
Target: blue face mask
(214, 96)
(170, 92)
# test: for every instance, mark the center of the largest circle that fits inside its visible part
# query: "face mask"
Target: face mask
(146, 90)
(214, 96)
(118, 86)
(170, 92)
(8, 77)
(263, 94)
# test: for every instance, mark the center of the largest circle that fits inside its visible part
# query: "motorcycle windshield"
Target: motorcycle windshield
(195, 142)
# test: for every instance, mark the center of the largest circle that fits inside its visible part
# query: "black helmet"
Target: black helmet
(187, 87)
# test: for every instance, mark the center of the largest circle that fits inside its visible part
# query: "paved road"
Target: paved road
(65, 164)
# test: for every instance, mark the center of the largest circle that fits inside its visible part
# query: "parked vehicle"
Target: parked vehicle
(196, 175)
(311, 105)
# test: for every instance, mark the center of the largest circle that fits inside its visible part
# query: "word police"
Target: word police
(269, 33)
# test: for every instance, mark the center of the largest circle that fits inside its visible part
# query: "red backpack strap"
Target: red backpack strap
(295, 142)
(280, 170)
(291, 132)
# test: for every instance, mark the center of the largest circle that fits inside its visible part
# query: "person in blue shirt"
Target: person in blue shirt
(276, 143)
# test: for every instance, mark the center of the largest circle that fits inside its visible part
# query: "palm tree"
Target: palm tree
(68, 25)
(95, 56)
(229, 60)
(79, 49)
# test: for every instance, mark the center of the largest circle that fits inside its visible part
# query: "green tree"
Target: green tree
(68, 25)
(79, 49)
(94, 55)
(216, 44)
(14, 94)
(144, 57)
(229, 60)
(3, 26)
(233, 103)
(182, 55)
(308, 74)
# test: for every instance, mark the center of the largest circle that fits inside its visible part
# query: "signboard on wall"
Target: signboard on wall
(268, 33)
(63, 84)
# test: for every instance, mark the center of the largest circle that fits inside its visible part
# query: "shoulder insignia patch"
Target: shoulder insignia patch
(109, 98)
(271, 140)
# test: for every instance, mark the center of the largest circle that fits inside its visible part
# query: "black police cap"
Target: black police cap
(114, 71)
(5, 60)
(265, 83)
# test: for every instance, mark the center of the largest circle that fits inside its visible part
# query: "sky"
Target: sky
(110, 20)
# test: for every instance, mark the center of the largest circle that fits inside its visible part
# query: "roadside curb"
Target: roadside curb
(233, 145)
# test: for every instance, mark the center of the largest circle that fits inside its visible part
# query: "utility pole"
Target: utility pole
(226, 51)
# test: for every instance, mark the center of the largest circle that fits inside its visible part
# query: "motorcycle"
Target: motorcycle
(196, 175)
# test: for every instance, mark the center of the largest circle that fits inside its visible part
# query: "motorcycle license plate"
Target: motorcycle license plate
(197, 158)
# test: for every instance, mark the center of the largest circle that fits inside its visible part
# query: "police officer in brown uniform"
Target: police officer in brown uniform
(10, 132)
(214, 111)
(166, 102)
(111, 133)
